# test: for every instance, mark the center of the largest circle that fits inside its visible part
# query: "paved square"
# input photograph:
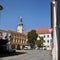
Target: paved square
(29, 55)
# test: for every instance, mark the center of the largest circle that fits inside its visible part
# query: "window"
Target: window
(47, 46)
(44, 46)
(44, 36)
(47, 35)
(18, 41)
(47, 41)
(13, 40)
(44, 41)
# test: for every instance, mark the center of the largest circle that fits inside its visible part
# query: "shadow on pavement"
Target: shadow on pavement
(7, 54)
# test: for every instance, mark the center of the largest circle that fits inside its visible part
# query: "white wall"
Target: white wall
(47, 38)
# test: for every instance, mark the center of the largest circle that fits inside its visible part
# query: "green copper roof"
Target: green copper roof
(20, 22)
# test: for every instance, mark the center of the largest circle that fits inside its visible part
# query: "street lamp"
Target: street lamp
(1, 8)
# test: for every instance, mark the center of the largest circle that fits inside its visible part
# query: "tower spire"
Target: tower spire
(20, 22)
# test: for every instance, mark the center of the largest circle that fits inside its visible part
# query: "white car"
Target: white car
(27, 47)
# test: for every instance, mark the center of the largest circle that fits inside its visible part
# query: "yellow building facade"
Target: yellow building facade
(18, 40)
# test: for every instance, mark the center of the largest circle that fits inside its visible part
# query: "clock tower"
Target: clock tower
(20, 27)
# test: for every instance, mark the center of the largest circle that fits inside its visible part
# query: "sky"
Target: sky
(35, 14)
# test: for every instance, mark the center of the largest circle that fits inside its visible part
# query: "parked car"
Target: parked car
(27, 47)
(41, 48)
(36, 48)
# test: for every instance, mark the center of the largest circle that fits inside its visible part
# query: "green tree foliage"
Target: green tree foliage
(39, 42)
(32, 37)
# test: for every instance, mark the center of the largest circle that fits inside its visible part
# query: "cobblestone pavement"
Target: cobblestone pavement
(28, 55)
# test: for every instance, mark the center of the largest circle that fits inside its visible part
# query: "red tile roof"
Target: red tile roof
(14, 32)
(42, 31)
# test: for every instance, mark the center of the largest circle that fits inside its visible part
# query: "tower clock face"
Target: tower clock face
(20, 29)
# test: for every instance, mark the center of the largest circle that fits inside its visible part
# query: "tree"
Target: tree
(39, 42)
(32, 37)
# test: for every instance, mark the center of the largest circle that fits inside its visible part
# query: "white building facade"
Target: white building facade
(46, 36)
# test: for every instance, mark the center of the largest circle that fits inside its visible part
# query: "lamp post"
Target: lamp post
(1, 8)
(55, 30)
